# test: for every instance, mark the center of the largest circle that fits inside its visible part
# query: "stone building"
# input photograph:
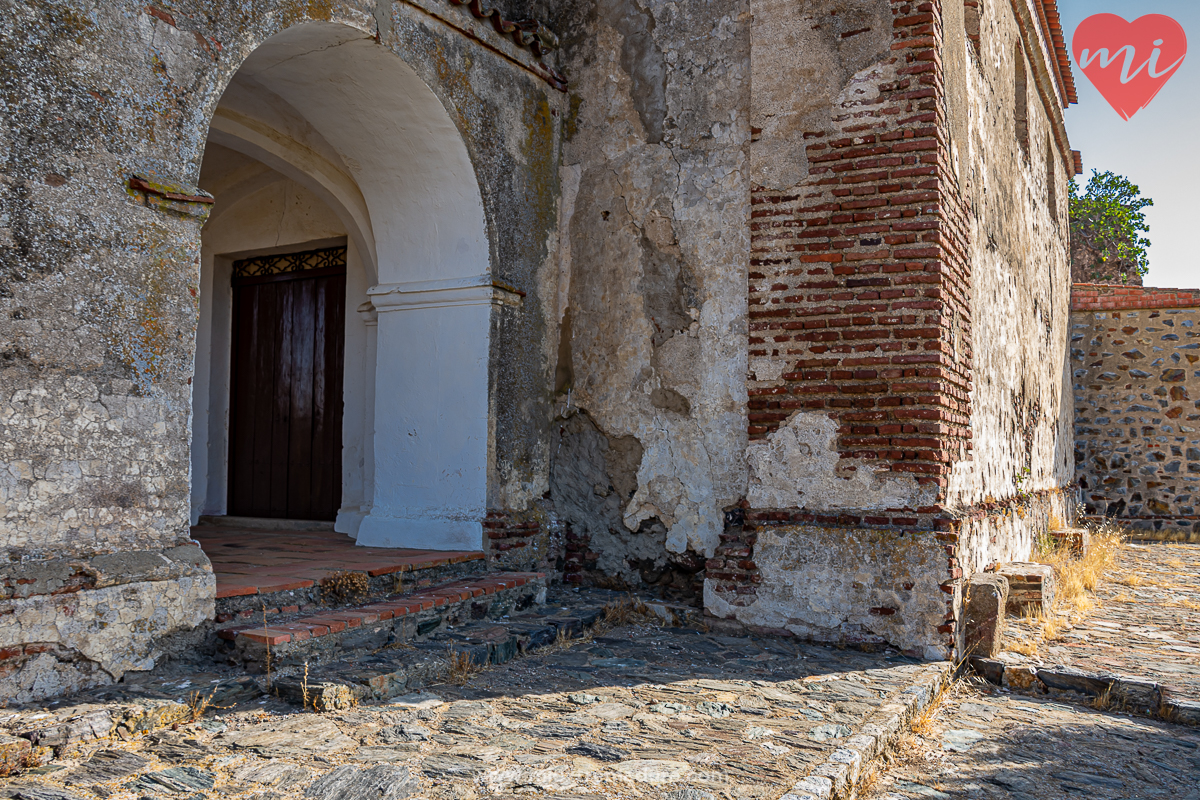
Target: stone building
(753, 303)
(1137, 389)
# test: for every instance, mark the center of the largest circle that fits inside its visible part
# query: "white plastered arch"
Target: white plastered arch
(328, 107)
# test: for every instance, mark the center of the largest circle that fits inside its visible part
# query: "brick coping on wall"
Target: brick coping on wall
(1117, 297)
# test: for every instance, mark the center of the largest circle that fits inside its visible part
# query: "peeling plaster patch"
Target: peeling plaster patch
(659, 249)
(844, 584)
(798, 466)
(840, 42)
(767, 369)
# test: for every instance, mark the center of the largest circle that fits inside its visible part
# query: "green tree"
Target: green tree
(1106, 227)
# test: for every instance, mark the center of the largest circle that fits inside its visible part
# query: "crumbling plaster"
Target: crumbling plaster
(798, 466)
(657, 253)
(876, 587)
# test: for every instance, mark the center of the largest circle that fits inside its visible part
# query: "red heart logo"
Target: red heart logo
(1129, 62)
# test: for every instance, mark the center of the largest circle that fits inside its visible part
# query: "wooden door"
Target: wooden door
(285, 458)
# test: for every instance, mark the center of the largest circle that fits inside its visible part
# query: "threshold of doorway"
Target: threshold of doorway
(266, 523)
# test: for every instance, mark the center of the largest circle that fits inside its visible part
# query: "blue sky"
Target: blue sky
(1157, 149)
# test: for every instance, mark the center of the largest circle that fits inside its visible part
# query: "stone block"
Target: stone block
(1182, 712)
(1074, 680)
(1020, 678)
(989, 669)
(317, 695)
(1030, 587)
(14, 754)
(1137, 694)
(985, 603)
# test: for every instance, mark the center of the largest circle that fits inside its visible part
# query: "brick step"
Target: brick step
(249, 598)
(296, 639)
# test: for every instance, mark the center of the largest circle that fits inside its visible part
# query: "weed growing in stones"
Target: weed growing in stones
(345, 586)
(462, 668)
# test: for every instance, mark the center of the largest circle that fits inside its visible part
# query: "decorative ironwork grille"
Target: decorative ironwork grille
(290, 262)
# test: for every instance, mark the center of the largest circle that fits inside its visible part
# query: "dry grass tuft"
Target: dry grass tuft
(1124, 598)
(345, 586)
(1166, 711)
(1077, 577)
(462, 668)
(1104, 701)
(1131, 580)
(922, 723)
(198, 703)
(627, 611)
(1026, 647)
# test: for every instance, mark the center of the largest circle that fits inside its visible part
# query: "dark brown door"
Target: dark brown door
(285, 435)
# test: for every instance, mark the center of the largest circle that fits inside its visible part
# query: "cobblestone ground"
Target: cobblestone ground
(984, 743)
(642, 711)
(1146, 621)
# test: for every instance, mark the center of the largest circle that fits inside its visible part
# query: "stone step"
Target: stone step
(296, 639)
(149, 702)
(392, 672)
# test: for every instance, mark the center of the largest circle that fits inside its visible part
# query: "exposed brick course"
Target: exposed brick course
(1106, 297)
(859, 280)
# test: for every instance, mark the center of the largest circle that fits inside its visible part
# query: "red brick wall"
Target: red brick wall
(859, 280)
(1103, 297)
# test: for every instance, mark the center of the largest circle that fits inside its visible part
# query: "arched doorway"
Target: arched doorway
(342, 354)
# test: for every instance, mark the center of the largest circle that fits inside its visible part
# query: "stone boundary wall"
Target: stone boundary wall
(1134, 354)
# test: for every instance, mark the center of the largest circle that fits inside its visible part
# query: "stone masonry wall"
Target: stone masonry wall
(905, 427)
(1134, 354)
(99, 285)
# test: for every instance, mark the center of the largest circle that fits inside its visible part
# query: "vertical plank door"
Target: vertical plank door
(285, 454)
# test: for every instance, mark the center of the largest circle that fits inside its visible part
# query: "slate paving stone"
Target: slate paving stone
(276, 774)
(1145, 624)
(295, 736)
(173, 748)
(557, 731)
(39, 793)
(446, 766)
(104, 766)
(174, 781)
(600, 752)
(381, 782)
